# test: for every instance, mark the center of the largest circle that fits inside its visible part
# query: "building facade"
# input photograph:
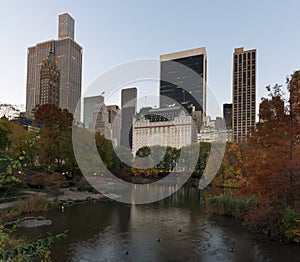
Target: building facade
(163, 126)
(88, 105)
(244, 93)
(100, 121)
(114, 118)
(128, 106)
(214, 131)
(227, 115)
(49, 81)
(178, 83)
(68, 56)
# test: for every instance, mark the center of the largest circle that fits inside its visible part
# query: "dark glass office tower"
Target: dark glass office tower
(227, 115)
(68, 56)
(128, 107)
(181, 85)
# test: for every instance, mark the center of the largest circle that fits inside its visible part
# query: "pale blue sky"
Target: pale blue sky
(115, 32)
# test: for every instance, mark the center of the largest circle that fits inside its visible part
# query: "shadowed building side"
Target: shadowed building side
(128, 107)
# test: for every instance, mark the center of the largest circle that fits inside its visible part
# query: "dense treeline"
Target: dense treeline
(267, 166)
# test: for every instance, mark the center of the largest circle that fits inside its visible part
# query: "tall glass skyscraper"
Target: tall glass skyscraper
(177, 83)
(88, 105)
(68, 55)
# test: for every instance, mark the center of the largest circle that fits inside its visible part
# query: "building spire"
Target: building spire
(50, 56)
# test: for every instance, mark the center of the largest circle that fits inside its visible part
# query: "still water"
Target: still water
(174, 229)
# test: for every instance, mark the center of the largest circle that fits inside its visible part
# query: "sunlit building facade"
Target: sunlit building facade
(244, 93)
(163, 126)
(49, 81)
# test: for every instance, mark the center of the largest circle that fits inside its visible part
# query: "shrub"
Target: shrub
(229, 205)
(35, 203)
(266, 218)
(16, 249)
(38, 180)
(291, 223)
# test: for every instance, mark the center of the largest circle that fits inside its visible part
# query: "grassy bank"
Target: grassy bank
(272, 219)
(29, 205)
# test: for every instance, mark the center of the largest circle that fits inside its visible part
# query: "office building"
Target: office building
(88, 105)
(171, 126)
(227, 115)
(68, 56)
(114, 118)
(178, 83)
(100, 121)
(49, 81)
(65, 26)
(214, 131)
(128, 106)
(244, 93)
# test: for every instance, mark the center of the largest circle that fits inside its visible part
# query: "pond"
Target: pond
(174, 229)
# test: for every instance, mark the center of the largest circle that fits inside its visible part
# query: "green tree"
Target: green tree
(105, 149)
(4, 133)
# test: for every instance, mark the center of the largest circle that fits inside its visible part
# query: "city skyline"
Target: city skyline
(102, 51)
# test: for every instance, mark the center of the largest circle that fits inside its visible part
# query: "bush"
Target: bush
(35, 203)
(291, 223)
(229, 205)
(39, 180)
(266, 218)
(16, 249)
(89, 189)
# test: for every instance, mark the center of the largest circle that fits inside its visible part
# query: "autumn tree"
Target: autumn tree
(55, 142)
(273, 150)
(232, 172)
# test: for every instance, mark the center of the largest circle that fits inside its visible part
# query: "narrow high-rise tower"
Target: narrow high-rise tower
(65, 26)
(128, 110)
(227, 115)
(88, 105)
(68, 56)
(243, 93)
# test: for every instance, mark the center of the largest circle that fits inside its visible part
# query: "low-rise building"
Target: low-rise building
(171, 126)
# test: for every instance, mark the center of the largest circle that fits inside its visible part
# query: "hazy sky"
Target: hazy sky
(115, 32)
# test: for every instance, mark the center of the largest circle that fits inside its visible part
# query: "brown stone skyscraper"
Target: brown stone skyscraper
(243, 93)
(68, 56)
(49, 81)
